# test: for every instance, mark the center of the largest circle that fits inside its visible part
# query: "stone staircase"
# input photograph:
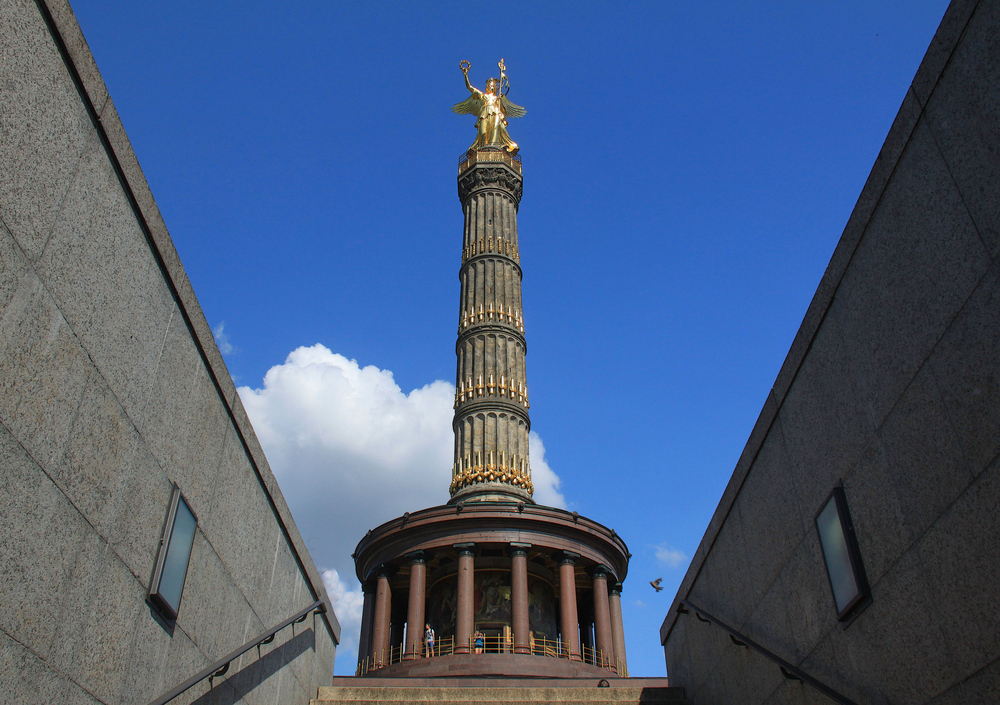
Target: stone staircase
(501, 691)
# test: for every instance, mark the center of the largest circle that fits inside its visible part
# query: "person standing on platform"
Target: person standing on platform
(429, 640)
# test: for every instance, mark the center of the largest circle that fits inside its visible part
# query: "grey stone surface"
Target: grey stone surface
(15, 268)
(98, 611)
(825, 423)
(238, 497)
(958, 550)
(99, 269)
(43, 371)
(893, 386)
(808, 599)
(184, 421)
(919, 260)
(107, 396)
(964, 115)
(879, 523)
(967, 369)
(942, 47)
(33, 573)
(27, 680)
(896, 647)
(76, 45)
(770, 483)
(724, 587)
(213, 611)
(113, 480)
(45, 127)
(926, 460)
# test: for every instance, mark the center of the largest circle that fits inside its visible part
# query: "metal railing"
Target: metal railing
(220, 667)
(489, 154)
(787, 670)
(499, 644)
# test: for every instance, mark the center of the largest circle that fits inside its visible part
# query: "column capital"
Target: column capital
(518, 549)
(415, 557)
(490, 176)
(568, 557)
(465, 549)
(616, 589)
(599, 571)
(385, 570)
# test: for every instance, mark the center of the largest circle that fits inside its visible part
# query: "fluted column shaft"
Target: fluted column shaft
(415, 608)
(569, 622)
(618, 628)
(491, 421)
(465, 611)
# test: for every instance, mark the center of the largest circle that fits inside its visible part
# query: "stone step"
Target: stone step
(498, 695)
(502, 701)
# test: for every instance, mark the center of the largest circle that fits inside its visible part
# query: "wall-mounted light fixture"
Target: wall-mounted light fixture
(843, 559)
(172, 561)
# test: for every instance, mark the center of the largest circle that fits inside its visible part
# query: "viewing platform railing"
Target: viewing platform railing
(489, 154)
(445, 647)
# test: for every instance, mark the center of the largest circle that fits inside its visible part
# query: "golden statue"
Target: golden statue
(492, 108)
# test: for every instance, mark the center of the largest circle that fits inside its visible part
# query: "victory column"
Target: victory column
(510, 587)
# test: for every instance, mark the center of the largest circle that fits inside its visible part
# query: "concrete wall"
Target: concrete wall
(112, 388)
(892, 385)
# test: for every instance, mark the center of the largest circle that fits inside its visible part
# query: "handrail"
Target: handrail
(496, 644)
(787, 670)
(222, 665)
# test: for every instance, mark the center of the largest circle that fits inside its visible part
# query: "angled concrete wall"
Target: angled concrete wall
(891, 386)
(112, 389)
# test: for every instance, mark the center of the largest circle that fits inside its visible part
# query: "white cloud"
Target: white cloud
(351, 450)
(222, 340)
(670, 557)
(348, 604)
(546, 482)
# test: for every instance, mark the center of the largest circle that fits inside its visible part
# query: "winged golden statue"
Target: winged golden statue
(492, 109)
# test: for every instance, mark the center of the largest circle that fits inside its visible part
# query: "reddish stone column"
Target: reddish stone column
(415, 607)
(519, 599)
(367, 613)
(569, 623)
(465, 611)
(383, 610)
(602, 617)
(618, 629)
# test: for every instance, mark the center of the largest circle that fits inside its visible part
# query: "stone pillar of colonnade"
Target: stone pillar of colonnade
(519, 598)
(367, 615)
(415, 606)
(602, 616)
(618, 628)
(465, 610)
(569, 622)
(383, 615)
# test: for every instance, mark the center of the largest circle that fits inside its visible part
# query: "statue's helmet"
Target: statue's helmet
(493, 83)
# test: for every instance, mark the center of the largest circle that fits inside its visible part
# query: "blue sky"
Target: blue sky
(688, 170)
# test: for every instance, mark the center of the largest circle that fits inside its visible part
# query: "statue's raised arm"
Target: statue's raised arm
(492, 110)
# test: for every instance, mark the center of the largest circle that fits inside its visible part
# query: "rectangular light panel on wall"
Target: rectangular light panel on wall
(167, 585)
(842, 557)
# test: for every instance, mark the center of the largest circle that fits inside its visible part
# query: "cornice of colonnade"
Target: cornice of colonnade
(497, 523)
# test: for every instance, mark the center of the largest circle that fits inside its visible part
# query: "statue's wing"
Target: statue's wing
(511, 109)
(470, 106)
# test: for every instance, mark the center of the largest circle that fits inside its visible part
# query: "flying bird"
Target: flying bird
(656, 584)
